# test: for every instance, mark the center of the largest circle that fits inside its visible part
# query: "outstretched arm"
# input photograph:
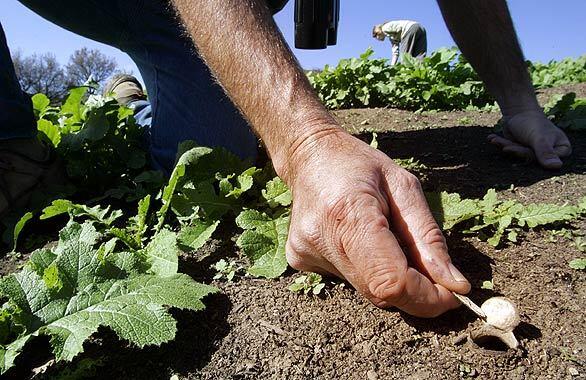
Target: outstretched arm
(484, 31)
(344, 192)
(395, 53)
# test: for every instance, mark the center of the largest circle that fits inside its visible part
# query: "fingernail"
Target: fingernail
(458, 276)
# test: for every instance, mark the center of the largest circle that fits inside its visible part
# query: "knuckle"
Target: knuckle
(408, 182)
(304, 232)
(337, 206)
(433, 236)
(295, 260)
(387, 287)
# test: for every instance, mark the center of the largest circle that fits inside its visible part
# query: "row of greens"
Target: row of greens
(441, 81)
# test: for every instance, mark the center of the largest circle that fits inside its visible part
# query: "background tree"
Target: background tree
(43, 73)
(40, 73)
(89, 63)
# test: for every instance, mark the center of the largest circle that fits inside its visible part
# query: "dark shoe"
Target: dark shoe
(25, 166)
(125, 89)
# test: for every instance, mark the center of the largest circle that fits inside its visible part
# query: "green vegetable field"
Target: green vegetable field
(123, 271)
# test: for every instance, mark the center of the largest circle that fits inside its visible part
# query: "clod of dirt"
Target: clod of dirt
(502, 317)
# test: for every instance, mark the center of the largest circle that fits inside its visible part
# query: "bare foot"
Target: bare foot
(532, 135)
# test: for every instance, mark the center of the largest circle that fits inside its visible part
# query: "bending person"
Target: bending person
(406, 36)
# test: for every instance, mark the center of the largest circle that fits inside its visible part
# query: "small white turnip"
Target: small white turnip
(501, 313)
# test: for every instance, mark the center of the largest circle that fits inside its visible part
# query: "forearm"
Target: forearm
(394, 54)
(484, 32)
(244, 49)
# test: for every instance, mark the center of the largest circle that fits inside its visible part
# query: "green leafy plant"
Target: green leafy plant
(567, 111)
(116, 262)
(410, 164)
(495, 218)
(311, 282)
(265, 231)
(487, 285)
(94, 137)
(225, 269)
(578, 264)
(559, 73)
(69, 291)
(442, 81)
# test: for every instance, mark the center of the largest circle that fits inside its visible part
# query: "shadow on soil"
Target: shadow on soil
(476, 267)
(460, 160)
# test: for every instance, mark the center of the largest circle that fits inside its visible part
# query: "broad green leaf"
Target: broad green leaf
(449, 209)
(115, 293)
(277, 193)
(244, 182)
(489, 201)
(41, 259)
(52, 279)
(534, 215)
(194, 236)
(190, 157)
(578, 264)
(40, 103)
(19, 226)
(57, 207)
(162, 253)
(73, 104)
(77, 260)
(9, 352)
(94, 129)
(50, 130)
(97, 213)
(203, 196)
(263, 242)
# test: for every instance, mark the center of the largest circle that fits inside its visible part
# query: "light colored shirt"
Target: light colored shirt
(396, 30)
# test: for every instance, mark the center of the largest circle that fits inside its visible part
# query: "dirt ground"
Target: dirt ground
(257, 329)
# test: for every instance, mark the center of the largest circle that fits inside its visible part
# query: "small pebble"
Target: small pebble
(460, 339)
(372, 375)
(435, 342)
(573, 371)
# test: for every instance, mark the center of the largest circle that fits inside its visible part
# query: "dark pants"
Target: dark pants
(185, 101)
(414, 42)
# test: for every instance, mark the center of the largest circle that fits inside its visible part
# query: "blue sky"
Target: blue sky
(547, 30)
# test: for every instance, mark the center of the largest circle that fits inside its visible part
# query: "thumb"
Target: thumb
(384, 276)
(546, 155)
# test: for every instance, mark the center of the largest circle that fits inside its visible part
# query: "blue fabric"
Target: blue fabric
(185, 101)
(16, 113)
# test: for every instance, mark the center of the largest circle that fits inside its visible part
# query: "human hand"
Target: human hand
(531, 135)
(359, 216)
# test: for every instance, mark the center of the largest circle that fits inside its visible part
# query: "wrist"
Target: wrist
(519, 102)
(310, 144)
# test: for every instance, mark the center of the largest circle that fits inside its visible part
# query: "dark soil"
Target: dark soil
(257, 329)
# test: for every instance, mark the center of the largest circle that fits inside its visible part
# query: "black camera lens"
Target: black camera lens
(316, 23)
